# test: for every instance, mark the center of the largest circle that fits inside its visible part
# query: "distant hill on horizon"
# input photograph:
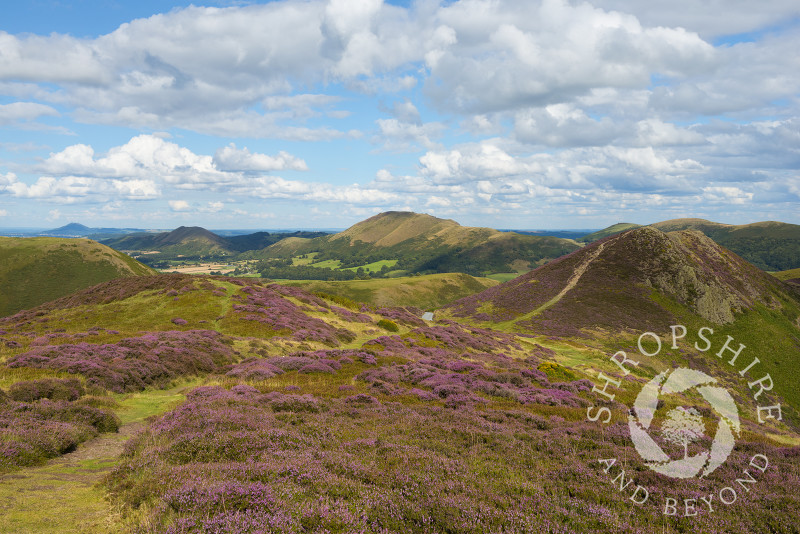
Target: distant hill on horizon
(34, 270)
(195, 242)
(74, 229)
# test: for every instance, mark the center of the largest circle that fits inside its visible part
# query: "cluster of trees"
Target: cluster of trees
(166, 260)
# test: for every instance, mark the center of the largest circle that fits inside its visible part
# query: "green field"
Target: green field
(305, 259)
(375, 266)
(308, 260)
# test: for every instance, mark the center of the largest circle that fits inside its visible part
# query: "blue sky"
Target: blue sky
(551, 114)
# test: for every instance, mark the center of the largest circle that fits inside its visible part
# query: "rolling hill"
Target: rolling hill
(34, 270)
(196, 242)
(423, 244)
(611, 284)
(188, 241)
(769, 245)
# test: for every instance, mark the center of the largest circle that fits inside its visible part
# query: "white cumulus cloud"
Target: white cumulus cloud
(231, 158)
(179, 205)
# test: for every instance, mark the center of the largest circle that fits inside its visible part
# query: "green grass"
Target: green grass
(40, 269)
(308, 260)
(502, 277)
(57, 498)
(137, 407)
(146, 312)
(787, 275)
(10, 376)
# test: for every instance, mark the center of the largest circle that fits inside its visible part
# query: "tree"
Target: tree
(683, 427)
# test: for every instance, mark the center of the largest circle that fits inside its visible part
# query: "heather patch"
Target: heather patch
(134, 363)
(254, 369)
(248, 462)
(33, 431)
(267, 312)
(444, 341)
(47, 388)
(403, 316)
(306, 362)
(460, 382)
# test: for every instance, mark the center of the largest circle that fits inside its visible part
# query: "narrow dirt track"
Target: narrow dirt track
(62, 496)
(573, 281)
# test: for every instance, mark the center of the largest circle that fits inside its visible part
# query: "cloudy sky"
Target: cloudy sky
(306, 113)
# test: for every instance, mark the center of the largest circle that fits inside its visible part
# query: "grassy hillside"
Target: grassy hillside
(185, 241)
(299, 415)
(427, 292)
(40, 269)
(420, 244)
(791, 274)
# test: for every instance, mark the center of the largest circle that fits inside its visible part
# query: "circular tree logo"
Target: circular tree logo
(682, 426)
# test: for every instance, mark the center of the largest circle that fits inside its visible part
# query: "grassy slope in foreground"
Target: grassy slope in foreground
(39, 269)
(427, 292)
